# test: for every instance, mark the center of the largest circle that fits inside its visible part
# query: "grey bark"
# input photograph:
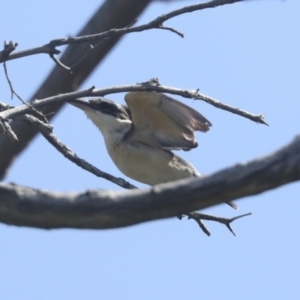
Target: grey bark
(25, 206)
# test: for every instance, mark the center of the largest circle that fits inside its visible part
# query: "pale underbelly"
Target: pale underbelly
(150, 165)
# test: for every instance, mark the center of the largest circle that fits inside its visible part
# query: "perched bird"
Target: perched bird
(139, 138)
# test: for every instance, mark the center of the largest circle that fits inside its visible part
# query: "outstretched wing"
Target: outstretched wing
(165, 120)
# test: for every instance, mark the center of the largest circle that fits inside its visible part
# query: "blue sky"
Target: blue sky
(246, 55)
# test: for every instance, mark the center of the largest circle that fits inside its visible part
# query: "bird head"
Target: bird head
(107, 115)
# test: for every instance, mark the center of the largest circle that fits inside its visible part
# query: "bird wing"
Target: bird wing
(165, 120)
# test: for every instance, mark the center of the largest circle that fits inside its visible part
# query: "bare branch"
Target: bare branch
(9, 82)
(192, 8)
(172, 30)
(46, 131)
(59, 63)
(146, 86)
(13, 92)
(199, 216)
(157, 23)
(110, 209)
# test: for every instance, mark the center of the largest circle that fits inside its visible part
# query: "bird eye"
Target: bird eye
(101, 105)
(110, 108)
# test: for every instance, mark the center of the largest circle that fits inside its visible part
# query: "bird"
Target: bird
(141, 136)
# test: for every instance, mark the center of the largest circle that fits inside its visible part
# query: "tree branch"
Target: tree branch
(198, 217)
(157, 23)
(146, 86)
(25, 206)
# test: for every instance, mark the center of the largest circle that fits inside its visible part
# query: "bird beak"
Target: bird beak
(79, 103)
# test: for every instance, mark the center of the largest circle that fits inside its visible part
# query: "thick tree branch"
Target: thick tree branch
(25, 206)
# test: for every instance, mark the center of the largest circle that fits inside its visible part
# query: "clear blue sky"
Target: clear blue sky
(246, 55)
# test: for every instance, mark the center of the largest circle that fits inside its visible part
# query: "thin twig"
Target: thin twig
(172, 30)
(13, 92)
(226, 221)
(9, 82)
(59, 63)
(260, 118)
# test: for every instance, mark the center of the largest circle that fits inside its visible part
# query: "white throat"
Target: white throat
(112, 128)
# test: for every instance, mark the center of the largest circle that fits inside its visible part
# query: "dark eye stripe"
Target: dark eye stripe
(110, 108)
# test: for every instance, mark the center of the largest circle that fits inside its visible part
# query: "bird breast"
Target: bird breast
(148, 164)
